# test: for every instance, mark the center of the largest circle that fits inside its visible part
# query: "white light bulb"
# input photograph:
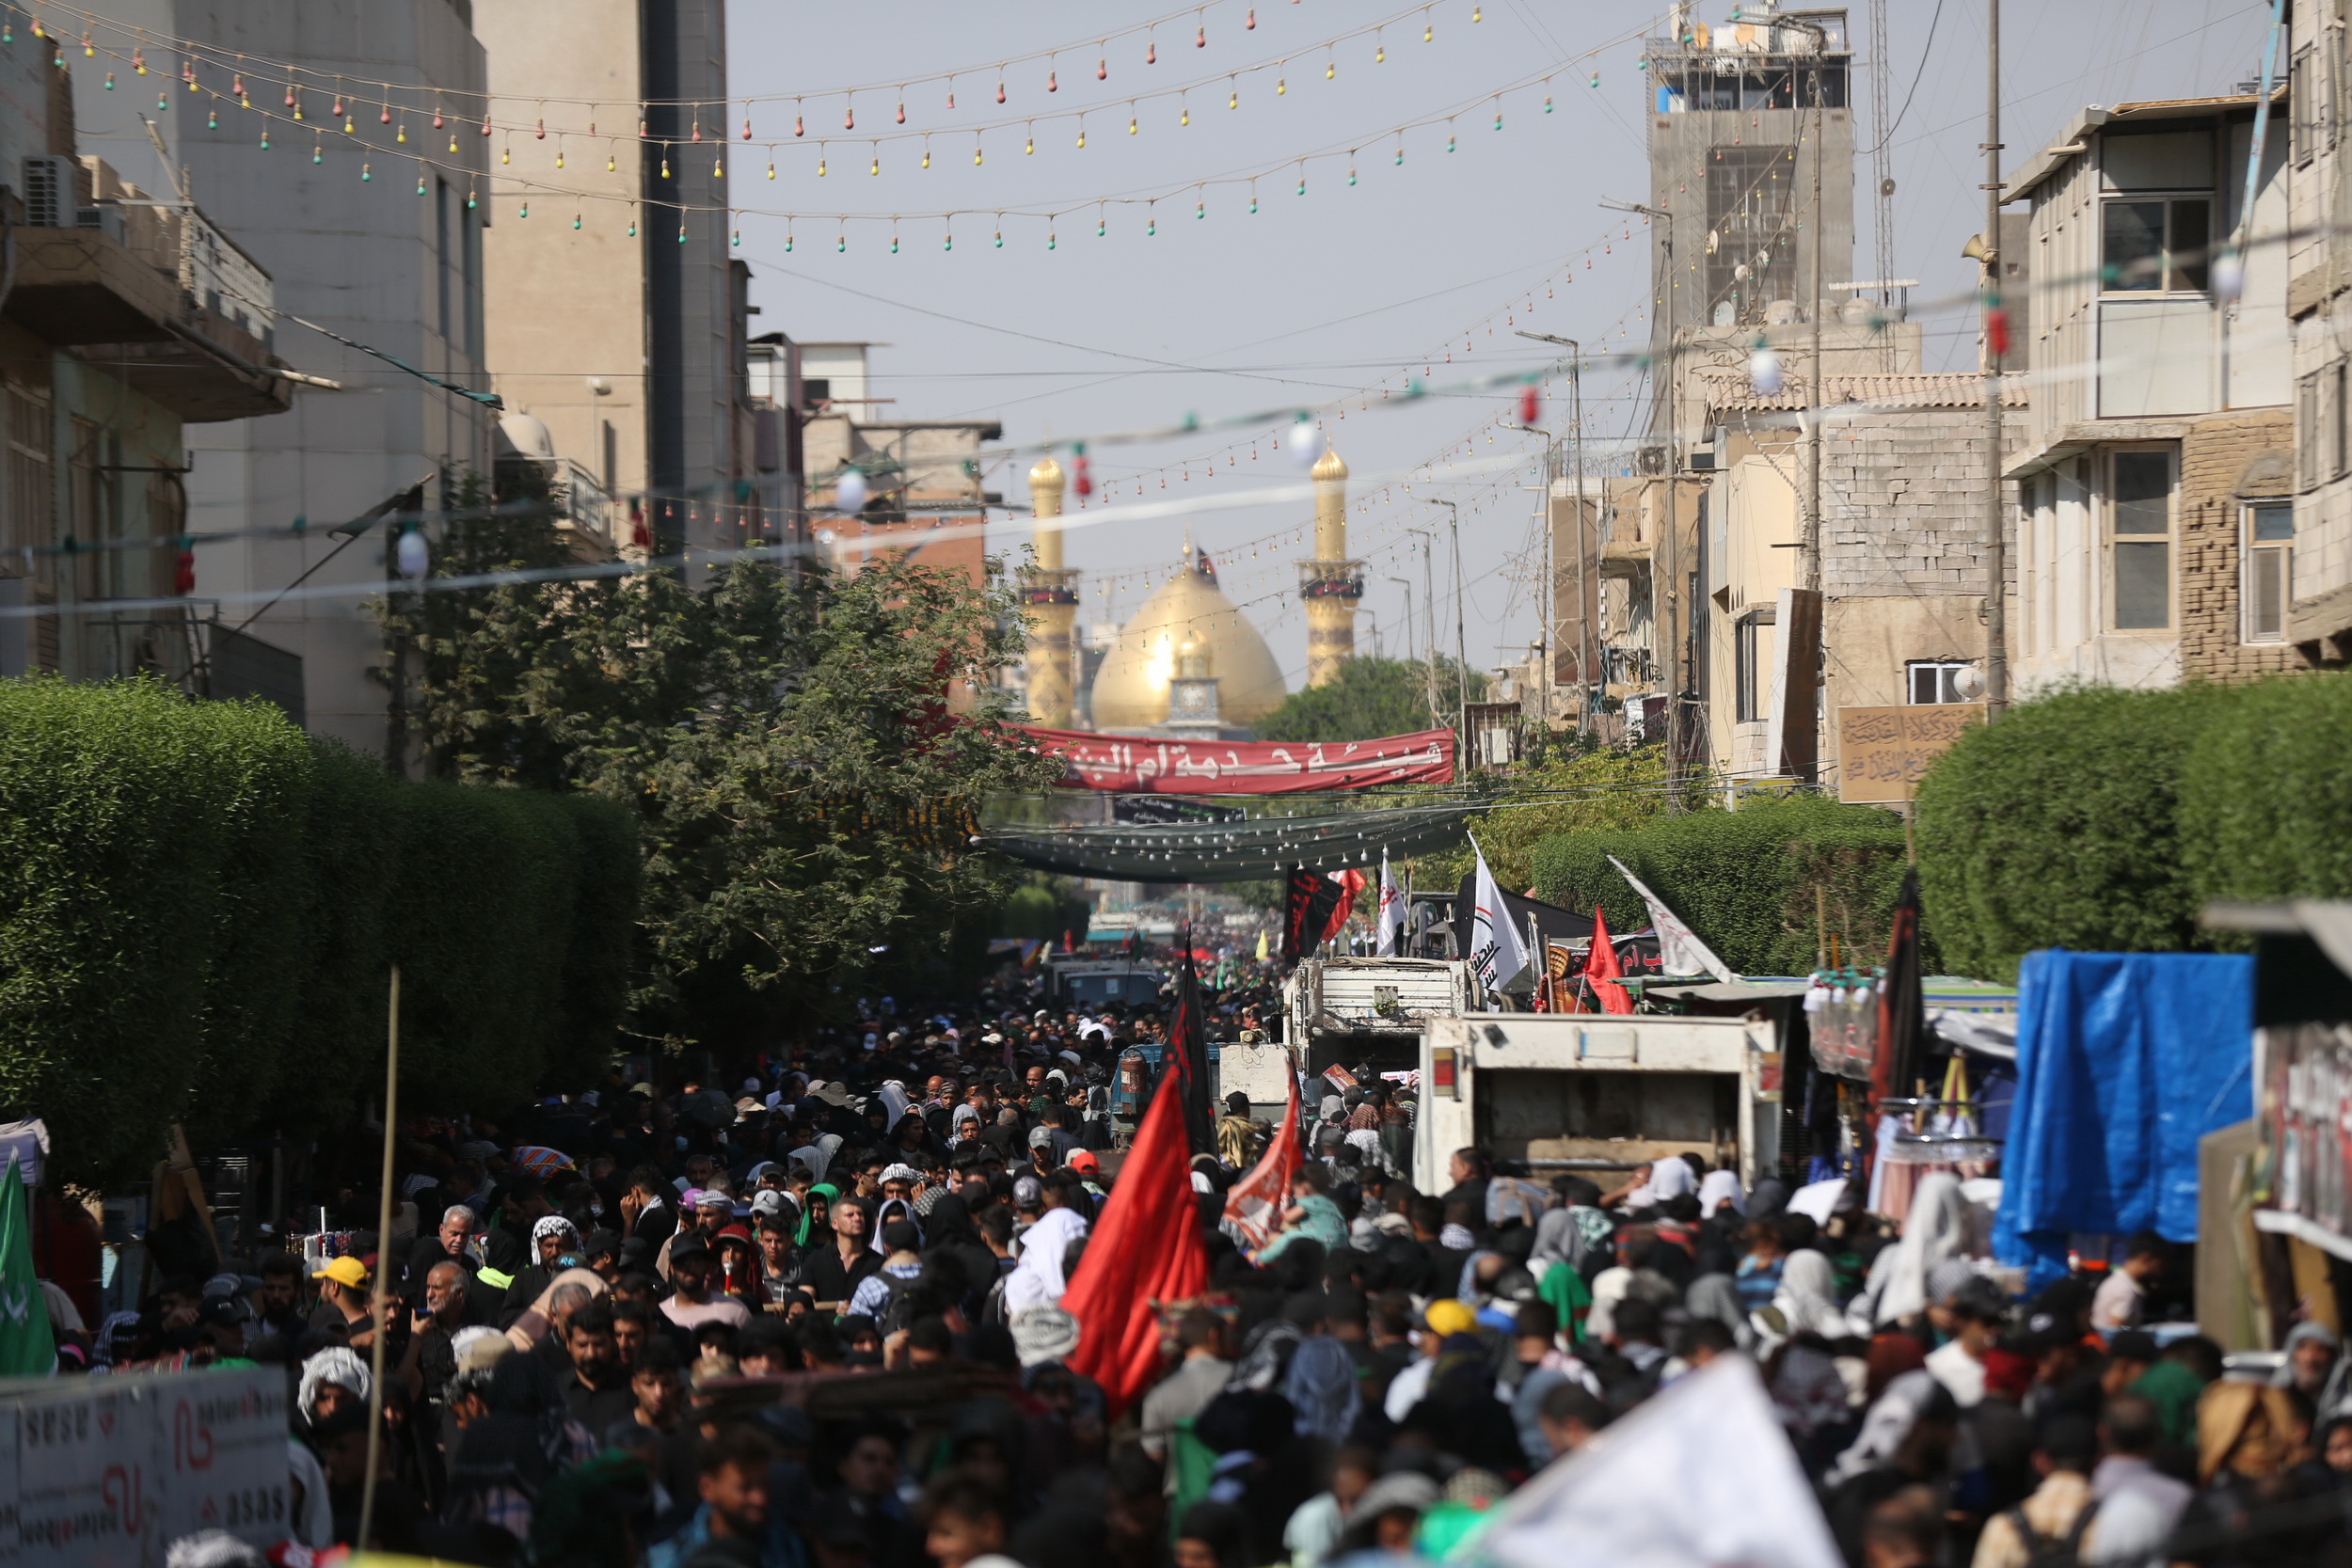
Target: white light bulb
(412, 554)
(1305, 440)
(848, 492)
(2229, 275)
(1764, 371)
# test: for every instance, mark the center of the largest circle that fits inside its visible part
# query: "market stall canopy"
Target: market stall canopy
(1230, 852)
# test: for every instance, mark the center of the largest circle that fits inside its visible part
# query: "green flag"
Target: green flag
(27, 1347)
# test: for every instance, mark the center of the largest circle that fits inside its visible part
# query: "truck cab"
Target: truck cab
(1088, 984)
(1597, 1094)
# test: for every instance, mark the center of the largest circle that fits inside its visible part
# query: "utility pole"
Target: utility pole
(1995, 530)
(1428, 611)
(1461, 653)
(1666, 629)
(1406, 583)
(1583, 603)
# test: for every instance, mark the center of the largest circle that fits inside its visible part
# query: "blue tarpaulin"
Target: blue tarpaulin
(2125, 1060)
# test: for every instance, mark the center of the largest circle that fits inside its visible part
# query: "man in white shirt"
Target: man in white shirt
(1976, 1310)
(2139, 1504)
(2118, 1302)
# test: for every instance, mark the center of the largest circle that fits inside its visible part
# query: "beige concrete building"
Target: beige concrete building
(2155, 474)
(924, 492)
(617, 320)
(2314, 554)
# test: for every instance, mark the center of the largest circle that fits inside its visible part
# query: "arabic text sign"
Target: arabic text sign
(1883, 751)
(1128, 763)
(107, 1473)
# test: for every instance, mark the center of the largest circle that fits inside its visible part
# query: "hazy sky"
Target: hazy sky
(1319, 300)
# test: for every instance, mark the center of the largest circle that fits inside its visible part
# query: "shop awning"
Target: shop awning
(1232, 851)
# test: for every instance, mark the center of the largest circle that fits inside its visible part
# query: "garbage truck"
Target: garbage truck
(1350, 1013)
(1597, 1094)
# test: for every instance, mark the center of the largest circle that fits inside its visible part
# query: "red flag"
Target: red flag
(1350, 884)
(1601, 970)
(1143, 1251)
(1255, 1202)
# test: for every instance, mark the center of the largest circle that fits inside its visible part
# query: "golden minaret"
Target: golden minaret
(1331, 585)
(1050, 595)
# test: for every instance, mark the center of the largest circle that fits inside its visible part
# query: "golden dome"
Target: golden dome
(1329, 466)
(1046, 475)
(1131, 688)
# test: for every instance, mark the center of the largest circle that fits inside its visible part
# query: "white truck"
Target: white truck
(1088, 984)
(1596, 1094)
(1350, 1011)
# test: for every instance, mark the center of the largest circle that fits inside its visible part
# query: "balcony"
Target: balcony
(153, 294)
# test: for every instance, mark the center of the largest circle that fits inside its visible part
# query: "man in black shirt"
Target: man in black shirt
(447, 1245)
(598, 1393)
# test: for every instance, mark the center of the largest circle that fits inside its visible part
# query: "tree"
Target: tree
(806, 754)
(1372, 697)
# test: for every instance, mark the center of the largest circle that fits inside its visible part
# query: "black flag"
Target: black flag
(1903, 1005)
(1188, 1054)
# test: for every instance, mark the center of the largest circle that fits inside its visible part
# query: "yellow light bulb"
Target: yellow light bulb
(877, 167)
(559, 159)
(1185, 118)
(1329, 70)
(1380, 55)
(1131, 125)
(771, 169)
(609, 164)
(1427, 32)
(1234, 101)
(1280, 87)
(1082, 138)
(976, 157)
(506, 155)
(927, 157)
(1030, 149)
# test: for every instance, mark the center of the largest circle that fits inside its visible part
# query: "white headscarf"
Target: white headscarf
(1936, 1231)
(894, 1099)
(1608, 1288)
(1719, 1188)
(1037, 1277)
(1807, 1297)
(335, 1365)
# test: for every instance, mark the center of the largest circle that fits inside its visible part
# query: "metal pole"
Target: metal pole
(1811, 563)
(1995, 524)
(1461, 648)
(381, 1295)
(1406, 583)
(1429, 610)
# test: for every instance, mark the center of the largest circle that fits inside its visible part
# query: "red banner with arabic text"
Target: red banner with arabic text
(1125, 764)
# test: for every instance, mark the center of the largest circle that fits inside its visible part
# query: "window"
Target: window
(31, 501)
(2155, 245)
(1933, 680)
(2269, 567)
(1751, 672)
(2139, 544)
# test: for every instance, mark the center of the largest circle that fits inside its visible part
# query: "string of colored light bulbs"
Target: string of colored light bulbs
(300, 76)
(349, 104)
(1288, 166)
(1362, 505)
(1231, 450)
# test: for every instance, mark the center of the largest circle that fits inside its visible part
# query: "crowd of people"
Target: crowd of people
(618, 1324)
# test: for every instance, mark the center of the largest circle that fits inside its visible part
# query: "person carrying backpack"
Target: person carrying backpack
(2055, 1528)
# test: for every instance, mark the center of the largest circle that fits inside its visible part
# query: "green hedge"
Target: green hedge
(2103, 819)
(1743, 879)
(200, 908)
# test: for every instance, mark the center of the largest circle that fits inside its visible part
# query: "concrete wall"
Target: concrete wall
(363, 258)
(567, 309)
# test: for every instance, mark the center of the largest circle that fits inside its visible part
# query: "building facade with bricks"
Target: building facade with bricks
(1904, 571)
(2157, 532)
(2319, 308)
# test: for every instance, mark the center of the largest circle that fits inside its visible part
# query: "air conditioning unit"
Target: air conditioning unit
(50, 200)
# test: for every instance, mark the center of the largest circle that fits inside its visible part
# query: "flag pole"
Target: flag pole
(381, 1318)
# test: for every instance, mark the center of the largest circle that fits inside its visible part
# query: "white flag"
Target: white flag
(1680, 949)
(1391, 922)
(1701, 1475)
(1497, 951)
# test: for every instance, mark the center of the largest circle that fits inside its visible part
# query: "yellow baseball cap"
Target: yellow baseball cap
(349, 1273)
(1450, 1317)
